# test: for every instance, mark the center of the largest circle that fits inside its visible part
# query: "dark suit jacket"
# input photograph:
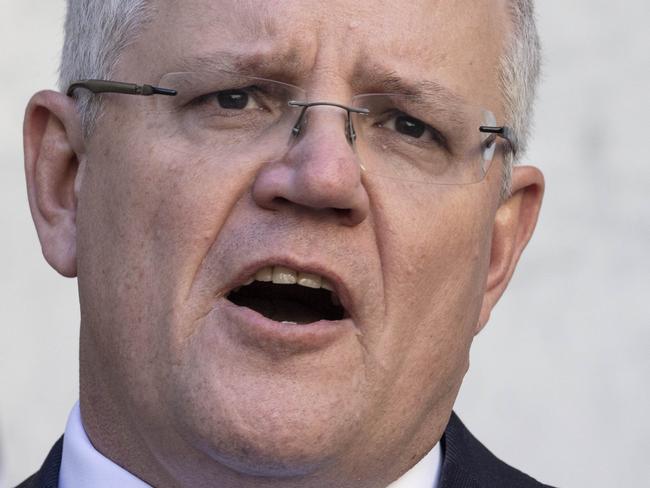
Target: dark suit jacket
(467, 464)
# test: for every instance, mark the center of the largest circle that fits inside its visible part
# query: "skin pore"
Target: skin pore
(173, 387)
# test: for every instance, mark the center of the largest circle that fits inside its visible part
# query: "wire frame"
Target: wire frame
(396, 136)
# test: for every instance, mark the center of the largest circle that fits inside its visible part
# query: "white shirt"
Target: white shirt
(83, 466)
(425, 474)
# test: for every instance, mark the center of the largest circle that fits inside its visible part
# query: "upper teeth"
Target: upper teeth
(286, 276)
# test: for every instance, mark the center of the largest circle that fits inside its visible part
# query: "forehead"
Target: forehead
(456, 43)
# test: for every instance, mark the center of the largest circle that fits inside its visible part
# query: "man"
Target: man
(286, 233)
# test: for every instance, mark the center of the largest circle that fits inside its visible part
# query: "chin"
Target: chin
(283, 447)
(260, 461)
(269, 427)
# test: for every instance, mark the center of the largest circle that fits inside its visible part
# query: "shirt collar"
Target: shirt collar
(82, 465)
(425, 474)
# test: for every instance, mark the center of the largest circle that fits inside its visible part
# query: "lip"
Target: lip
(341, 290)
(253, 329)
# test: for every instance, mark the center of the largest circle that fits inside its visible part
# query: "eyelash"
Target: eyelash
(252, 91)
(435, 134)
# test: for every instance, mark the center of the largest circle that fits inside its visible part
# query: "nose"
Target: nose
(320, 172)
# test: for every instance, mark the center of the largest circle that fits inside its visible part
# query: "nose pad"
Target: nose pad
(319, 172)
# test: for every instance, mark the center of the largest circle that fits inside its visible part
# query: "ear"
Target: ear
(514, 224)
(53, 144)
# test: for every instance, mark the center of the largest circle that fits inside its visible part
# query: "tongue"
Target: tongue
(284, 310)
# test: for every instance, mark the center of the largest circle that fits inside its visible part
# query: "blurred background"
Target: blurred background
(560, 379)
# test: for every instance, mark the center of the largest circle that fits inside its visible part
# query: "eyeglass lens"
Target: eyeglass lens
(397, 136)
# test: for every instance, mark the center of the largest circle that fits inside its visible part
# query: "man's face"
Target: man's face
(165, 234)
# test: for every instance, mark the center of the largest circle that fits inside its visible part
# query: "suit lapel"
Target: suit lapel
(48, 475)
(469, 464)
(458, 457)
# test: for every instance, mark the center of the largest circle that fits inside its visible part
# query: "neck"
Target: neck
(185, 466)
(158, 454)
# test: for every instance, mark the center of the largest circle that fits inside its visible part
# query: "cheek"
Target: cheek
(435, 253)
(148, 215)
(435, 259)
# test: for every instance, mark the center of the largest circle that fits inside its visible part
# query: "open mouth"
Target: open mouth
(285, 295)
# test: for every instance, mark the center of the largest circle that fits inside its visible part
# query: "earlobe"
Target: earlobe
(514, 224)
(53, 146)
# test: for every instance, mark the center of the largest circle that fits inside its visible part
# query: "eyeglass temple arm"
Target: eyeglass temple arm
(503, 132)
(104, 86)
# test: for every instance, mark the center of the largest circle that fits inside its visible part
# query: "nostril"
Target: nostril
(343, 213)
(316, 180)
(340, 213)
(280, 201)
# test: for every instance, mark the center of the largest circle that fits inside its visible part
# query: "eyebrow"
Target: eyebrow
(425, 91)
(266, 64)
(288, 66)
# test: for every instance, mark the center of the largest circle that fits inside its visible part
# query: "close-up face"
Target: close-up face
(175, 219)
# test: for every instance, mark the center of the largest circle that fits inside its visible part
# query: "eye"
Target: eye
(233, 99)
(412, 127)
(237, 99)
(408, 126)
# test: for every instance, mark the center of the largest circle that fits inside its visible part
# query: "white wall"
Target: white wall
(40, 320)
(559, 383)
(560, 380)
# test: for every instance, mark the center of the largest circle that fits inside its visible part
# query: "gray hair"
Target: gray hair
(519, 74)
(97, 32)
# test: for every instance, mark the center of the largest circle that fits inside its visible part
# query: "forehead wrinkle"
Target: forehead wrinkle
(248, 38)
